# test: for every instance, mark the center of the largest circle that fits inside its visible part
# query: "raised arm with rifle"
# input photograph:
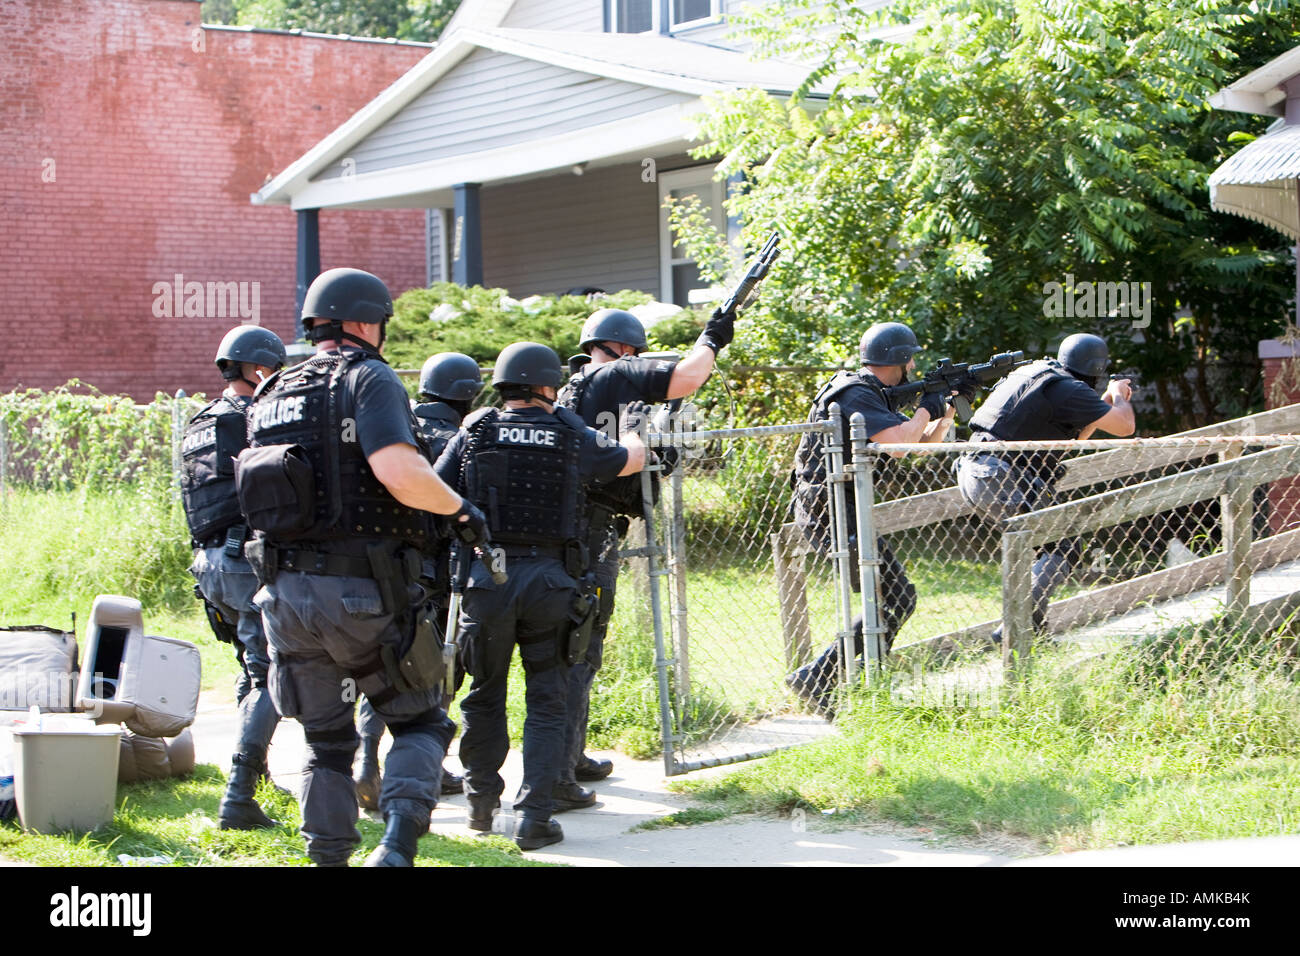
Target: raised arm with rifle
(964, 379)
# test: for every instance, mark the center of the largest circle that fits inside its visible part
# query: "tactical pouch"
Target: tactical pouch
(223, 629)
(262, 558)
(277, 490)
(582, 619)
(422, 666)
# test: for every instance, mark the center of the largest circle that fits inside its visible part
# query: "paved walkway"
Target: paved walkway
(637, 792)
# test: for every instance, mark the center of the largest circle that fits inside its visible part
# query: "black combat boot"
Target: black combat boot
(238, 810)
(451, 782)
(572, 796)
(815, 682)
(480, 813)
(535, 834)
(399, 844)
(589, 769)
(368, 779)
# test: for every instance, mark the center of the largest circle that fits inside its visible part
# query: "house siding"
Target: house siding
(491, 100)
(549, 235)
(582, 15)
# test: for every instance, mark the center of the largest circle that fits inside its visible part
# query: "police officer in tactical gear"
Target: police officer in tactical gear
(614, 379)
(340, 493)
(449, 381)
(887, 354)
(226, 584)
(1050, 400)
(527, 466)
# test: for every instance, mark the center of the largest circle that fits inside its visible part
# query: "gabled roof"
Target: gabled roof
(1261, 91)
(652, 61)
(649, 59)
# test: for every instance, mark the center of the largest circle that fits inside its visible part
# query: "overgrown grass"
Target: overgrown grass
(1194, 737)
(176, 819)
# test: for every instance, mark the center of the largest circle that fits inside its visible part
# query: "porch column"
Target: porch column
(467, 237)
(308, 261)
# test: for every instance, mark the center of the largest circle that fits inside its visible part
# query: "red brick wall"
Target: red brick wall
(130, 140)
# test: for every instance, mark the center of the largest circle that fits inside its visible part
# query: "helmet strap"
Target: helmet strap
(608, 351)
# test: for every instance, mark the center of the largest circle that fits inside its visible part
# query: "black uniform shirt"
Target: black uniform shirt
(599, 460)
(613, 385)
(1075, 404)
(373, 396)
(872, 405)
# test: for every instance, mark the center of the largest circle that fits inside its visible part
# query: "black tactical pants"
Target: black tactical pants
(997, 489)
(604, 550)
(325, 632)
(532, 611)
(229, 584)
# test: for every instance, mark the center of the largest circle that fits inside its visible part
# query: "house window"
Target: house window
(678, 273)
(633, 16)
(689, 12)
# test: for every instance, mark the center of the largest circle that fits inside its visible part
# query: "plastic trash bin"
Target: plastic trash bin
(65, 773)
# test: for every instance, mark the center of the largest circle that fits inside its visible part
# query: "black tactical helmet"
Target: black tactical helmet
(344, 295)
(613, 325)
(527, 363)
(450, 376)
(248, 343)
(1085, 355)
(888, 343)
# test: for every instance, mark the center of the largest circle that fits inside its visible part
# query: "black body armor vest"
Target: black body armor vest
(523, 473)
(623, 495)
(1019, 409)
(808, 479)
(301, 406)
(212, 440)
(437, 423)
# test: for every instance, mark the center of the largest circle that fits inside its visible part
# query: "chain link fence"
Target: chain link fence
(984, 557)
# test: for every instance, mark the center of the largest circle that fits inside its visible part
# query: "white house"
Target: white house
(542, 136)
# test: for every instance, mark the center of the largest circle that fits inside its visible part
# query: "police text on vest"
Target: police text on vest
(278, 411)
(525, 435)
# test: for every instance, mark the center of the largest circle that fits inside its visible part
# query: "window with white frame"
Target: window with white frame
(633, 16)
(660, 16)
(679, 275)
(690, 12)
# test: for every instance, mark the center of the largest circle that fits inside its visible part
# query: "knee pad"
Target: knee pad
(340, 761)
(432, 723)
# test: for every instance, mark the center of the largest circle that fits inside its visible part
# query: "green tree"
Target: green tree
(405, 19)
(1005, 145)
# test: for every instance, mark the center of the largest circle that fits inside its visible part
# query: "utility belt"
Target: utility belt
(393, 568)
(573, 554)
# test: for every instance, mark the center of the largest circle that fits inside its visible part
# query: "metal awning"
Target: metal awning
(1259, 182)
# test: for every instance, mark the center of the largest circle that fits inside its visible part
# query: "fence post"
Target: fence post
(792, 595)
(1017, 603)
(836, 477)
(677, 568)
(863, 467)
(652, 551)
(178, 437)
(1236, 510)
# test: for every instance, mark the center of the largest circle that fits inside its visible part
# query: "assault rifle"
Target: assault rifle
(757, 273)
(947, 377)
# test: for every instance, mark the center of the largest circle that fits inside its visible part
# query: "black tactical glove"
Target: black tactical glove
(718, 331)
(968, 391)
(668, 459)
(933, 403)
(634, 418)
(474, 530)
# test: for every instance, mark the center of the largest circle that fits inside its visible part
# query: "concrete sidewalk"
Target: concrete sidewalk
(636, 792)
